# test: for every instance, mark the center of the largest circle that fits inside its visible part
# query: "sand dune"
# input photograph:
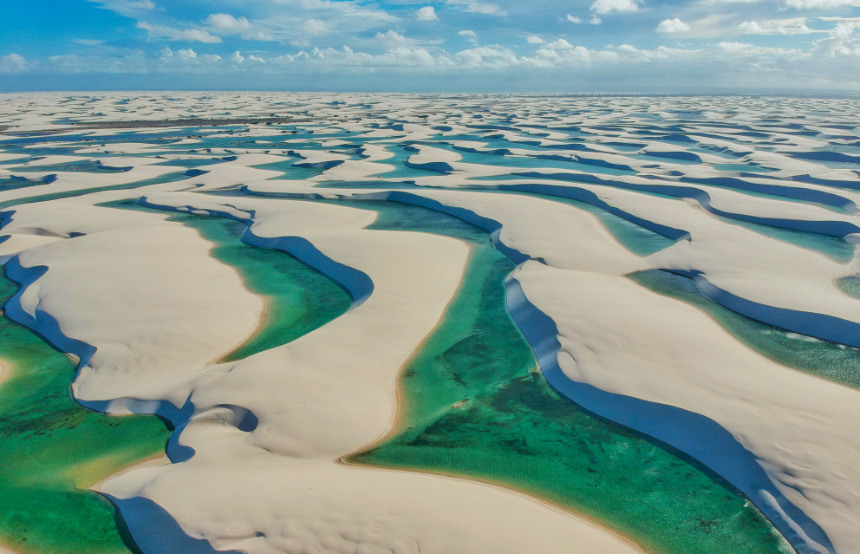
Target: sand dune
(765, 227)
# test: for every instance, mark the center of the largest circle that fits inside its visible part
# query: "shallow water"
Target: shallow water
(299, 298)
(87, 166)
(51, 445)
(53, 449)
(836, 249)
(829, 360)
(850, 285)
(476, 405)
(166, 178)
(637, 239)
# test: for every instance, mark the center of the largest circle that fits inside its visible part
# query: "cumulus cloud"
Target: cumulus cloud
(608, 6)
(257, 59)
(469, 35)
(841, 41)
(670, 26)
(391, 37)
(227, 23)
(169, 33)
(734, 47)
(12, 63)
(237, 57)
(427, 13)
(560, 44)
(573, 19)
(315, 27)
(492, 57)
(186, 53)
(559, 53)
(534, 39)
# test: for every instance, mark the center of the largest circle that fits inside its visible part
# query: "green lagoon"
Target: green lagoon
(298, 298)
(476, 405)
(53, 449)
(829, 360)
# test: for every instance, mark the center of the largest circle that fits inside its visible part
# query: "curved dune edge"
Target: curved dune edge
(752, 480)
(682, 430)
(776, 483)
(588, 355)
(250, 238)
(562, 529)
(700, 438)
(465, 541)
(495, 228)
(114, 242)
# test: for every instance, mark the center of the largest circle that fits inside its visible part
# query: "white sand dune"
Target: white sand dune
(257, 452)
(129, 289)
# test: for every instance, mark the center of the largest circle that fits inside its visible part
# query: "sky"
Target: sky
(563, 46)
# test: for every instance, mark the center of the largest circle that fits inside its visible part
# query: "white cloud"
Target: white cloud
(405, 58)
(469, 35)
(298, 21)
(745, 49)
(796, 26)
(735, 47)
(492, 57)
(842, 31)
(257, 59)
(186, 53)
(841, 41)
(560, 44)
(818, 4)
(127, 8)
(609, 6)
(559, 53)
(237, 57)
(227, 23)
(427, 13)
(534, 39)
(573, 19)
(169, 33)
(391, 37)
(595, 20)
(12, 63)
(474, 6)
(670, 26)
(315, 27)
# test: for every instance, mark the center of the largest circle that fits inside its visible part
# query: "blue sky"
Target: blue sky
(446, 45)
